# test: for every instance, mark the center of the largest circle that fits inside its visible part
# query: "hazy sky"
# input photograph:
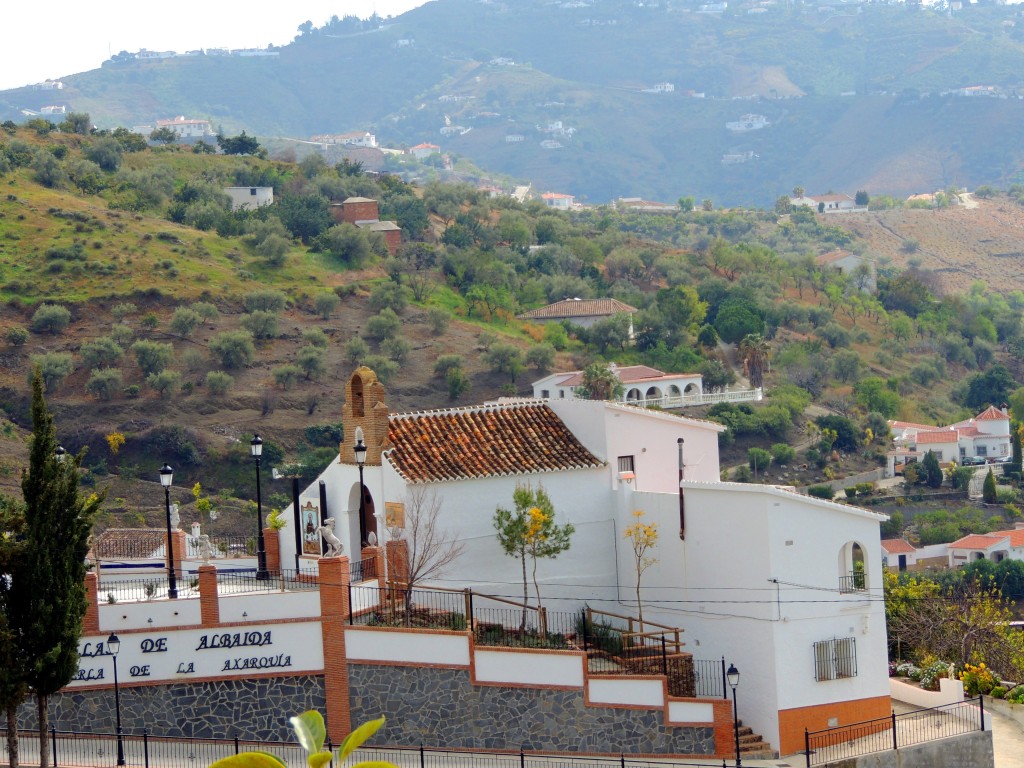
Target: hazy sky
(54, 39)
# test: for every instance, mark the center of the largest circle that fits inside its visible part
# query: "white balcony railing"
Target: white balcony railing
(708, 398)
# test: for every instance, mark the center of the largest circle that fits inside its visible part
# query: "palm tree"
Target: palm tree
(600, 382)
(754, 351)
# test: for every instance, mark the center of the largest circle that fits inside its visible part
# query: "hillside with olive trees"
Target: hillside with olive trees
(169, 328)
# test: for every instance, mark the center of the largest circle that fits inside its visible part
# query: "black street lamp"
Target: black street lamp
(60, 454)
(166, 478)
(733, 676)
(360, 453)
(113, 646)
(256, 450)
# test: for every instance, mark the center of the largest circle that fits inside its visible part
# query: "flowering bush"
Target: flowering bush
(906, 669)
(977, 679)
(931, 675)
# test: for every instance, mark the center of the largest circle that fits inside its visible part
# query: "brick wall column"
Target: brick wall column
(178, 547)
(725, 733)
(334, 614)
(376, 556)
(91, 620)
(209, 601)
(272, 543)
(398, 561)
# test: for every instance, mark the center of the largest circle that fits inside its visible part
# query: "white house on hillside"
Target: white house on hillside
(987, 435)
(582, 312)
(783, 585)
(995, 546)
(249, 198)
(639, 383)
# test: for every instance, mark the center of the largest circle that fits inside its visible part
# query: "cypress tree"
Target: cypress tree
(13, 684)
(988, 490)
(49, 591)
(1016, 461)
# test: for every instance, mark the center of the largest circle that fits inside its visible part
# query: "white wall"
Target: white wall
(409, 647)
(170, 655)
(523, 668)
(183, 612)
(267, 606)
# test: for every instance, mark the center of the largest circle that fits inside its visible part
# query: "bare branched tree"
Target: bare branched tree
(431, 547)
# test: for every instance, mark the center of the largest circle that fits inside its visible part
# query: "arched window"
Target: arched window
(357, 396)
(853, 568)
(653, 393)
(633, 395)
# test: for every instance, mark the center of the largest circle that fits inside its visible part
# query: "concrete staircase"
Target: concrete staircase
(752, 745)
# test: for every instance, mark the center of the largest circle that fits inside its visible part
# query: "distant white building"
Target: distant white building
(749, 122)
(249, 198)
(986, 435)
(187, 129)
(350, 139)
(557, 200)
(639, 383)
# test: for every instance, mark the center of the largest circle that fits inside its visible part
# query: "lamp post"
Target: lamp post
(166, 478)
(360, 453)
(256, 450)
(733, 676)
(113, 646)
(60, 454)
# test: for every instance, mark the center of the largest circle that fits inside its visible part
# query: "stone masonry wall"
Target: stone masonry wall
(442, 708)
(253, 709)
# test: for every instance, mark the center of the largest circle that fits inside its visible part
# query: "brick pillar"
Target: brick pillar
(334, 614)
(178, 547)
(272, 543)
(209, 601)
(398, 561)
(725, 735)
(374, 555)
(91, 620)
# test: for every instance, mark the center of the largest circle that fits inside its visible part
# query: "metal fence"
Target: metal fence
(126, 590)
(893, 732)
(362, 570)
(274, 581)
(223, 546)
(100, 750)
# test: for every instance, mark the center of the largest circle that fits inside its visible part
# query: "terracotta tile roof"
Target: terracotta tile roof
(578, 308)
(897, 546)
(503, 439)
(910, 425)
(1016, 536)
(832, 256)
(941, 436)
(991, 413)
(628, 374)
(128, 543)
(977, 541)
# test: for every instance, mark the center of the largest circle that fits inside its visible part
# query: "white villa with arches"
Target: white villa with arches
(782, 585)
(645, 386)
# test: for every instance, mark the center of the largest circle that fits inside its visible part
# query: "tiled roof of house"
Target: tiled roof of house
(578, 308)
(128, 543)
(991, 413)
(628, 374)
(940, 436)
(1016, 536)
(555, 196)
(897, 546)
(901, 425)
(832, 256)
(978, 540)
(378, 226)
(504, 439)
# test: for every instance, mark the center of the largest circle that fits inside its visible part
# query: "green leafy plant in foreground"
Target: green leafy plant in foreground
(311, 732)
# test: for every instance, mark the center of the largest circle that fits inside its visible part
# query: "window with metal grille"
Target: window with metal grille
(835, 658)
(625, 463)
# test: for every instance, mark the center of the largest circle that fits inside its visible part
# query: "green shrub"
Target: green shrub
(50, 318)
(821, 491)
(234, 348)
(218, 382)
(850, 492)
(998, 692)
(152, 356)
(165, 383)
(104, 383)
(783, 453)
(16, 335)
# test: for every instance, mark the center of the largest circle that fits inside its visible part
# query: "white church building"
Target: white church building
(784, 586)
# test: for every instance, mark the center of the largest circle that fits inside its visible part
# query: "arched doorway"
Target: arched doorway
(367, 519)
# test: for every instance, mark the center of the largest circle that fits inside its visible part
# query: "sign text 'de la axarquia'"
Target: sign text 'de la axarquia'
(176, 654)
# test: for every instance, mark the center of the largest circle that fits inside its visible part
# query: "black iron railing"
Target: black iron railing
(130, 590)
(893, 732)
(99, 750)
(276, 581)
